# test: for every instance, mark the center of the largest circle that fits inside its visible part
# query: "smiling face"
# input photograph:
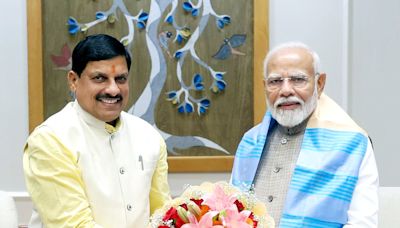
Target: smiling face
(291, 101)
(102, 89)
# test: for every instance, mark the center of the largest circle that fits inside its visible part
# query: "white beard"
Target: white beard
(291, 118)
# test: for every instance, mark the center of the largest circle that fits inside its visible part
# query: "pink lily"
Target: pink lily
(205, 221)
(232, 218)
(219, 200)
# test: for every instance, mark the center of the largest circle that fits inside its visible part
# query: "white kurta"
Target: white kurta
(116, 168)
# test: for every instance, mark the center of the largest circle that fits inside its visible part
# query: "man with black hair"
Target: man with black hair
(92, 164)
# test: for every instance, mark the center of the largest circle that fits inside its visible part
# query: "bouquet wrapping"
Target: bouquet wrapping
(218, 205)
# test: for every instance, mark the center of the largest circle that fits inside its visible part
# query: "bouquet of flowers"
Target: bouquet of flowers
(218, 205)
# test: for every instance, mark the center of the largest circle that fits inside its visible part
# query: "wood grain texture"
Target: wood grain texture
(203, 164)
(261, 46)
(35, 63)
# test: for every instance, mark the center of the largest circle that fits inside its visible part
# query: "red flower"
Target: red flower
(197, 201)
(255, 222)
(178, 222)
(184, 206)
(220, 205)
(239, 205)
(172, 214)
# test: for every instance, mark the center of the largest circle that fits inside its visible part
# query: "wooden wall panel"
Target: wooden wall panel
(240, 114)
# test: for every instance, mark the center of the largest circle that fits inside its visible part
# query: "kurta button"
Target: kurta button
(129, 207)
(270, 198)
(122, 170)
(277, 169)
(283, 141)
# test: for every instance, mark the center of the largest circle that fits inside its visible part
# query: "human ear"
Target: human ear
(265, 84)
(321, 83)
(72, 78)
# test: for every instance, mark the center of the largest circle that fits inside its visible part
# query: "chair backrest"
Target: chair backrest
(8, 211)
(389, 207)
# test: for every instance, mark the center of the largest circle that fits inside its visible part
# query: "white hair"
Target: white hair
(293, 44)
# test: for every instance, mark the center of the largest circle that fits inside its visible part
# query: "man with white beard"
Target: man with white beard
(310, 163)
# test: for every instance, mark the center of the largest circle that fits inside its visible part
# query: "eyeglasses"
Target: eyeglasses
(297, 81)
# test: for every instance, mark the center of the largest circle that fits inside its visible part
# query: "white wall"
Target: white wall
(13, 93)
(14, 101)
(375, 79)
(322, 26)
(358, 41)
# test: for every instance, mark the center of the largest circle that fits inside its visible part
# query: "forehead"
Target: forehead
(116, 63)
(291, 59)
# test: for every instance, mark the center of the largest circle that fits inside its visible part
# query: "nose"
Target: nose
(286, 89)
(112, 88)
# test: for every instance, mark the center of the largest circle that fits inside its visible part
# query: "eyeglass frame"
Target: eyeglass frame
(299, 78)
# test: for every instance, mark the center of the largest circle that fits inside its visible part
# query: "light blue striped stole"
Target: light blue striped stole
(324, 178)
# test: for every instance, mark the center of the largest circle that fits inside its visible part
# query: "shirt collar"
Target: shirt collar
(293, 130)
(94, 122)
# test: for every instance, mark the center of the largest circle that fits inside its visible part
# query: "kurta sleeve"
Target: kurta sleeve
(363, 211)
(159, 193)
(54, 182)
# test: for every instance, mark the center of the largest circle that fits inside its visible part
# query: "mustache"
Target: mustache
(283, 100)
(108, 96)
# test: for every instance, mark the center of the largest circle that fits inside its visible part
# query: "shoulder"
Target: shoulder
(253, 132)
(254, 129)
(61, 118)
(130, 120)
(330, 115)
(45, 142)
(134, 123)
(46, 127)
(57, 129)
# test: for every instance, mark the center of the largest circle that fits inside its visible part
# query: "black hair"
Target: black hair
(95, 48)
